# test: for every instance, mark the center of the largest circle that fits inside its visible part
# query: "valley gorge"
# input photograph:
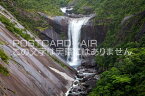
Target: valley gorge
(72, 48)
(35, 71)
(71, 26)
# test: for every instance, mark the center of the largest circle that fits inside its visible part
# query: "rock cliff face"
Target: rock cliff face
(90, 31)
(59, 24)
(30, 75)
(94, 32)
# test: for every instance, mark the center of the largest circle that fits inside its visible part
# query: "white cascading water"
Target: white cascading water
(74, 35)
(64, 9)
(74, 32)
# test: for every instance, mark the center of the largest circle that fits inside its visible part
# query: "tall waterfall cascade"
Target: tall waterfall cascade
(74, 35)
(74, 54)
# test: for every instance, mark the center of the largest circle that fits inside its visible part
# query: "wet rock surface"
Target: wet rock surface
(85, 80)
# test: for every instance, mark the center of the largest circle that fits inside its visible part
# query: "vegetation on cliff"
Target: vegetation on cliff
(123, 75)
(120, 75)
(4, 70)
(125, 19)
(18, 32)
(112, 14)
(4, 58)
(26, 11)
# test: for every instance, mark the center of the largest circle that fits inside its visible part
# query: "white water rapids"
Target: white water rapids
(74, 32)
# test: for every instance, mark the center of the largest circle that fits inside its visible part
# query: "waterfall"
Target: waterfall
(74, 52)
(65, 9)
(74, 32)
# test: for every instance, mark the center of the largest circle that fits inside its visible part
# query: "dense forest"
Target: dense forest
(125, 19)
(26, 11)
(120, 75)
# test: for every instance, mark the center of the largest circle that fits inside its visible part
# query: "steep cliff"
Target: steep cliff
(25, 75)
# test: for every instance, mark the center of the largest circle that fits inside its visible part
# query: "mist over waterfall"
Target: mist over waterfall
(74, 32)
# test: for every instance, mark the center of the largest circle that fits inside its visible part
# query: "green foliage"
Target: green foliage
(2, 43)
(11, 27)
(126, 78)
(42, 28)
(120, 75)
(29, 19)
(111, 13)
(51, 7)
(3, 56)
(4, 70)
(111, 80)
(26, 11)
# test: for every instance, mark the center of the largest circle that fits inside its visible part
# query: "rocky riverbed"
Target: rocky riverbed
(85, 80)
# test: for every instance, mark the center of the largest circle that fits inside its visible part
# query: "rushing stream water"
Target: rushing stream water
(74, 32)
